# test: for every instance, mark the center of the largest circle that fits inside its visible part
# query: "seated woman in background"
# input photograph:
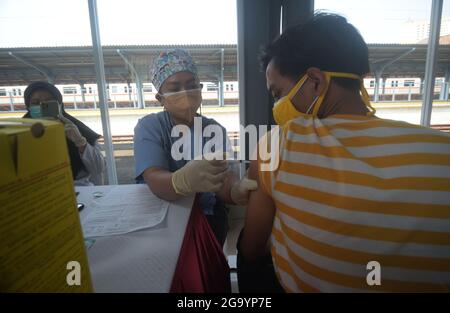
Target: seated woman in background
(350, 188)
(86, 159)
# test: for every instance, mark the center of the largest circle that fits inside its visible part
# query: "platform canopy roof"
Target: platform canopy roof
(75, 65)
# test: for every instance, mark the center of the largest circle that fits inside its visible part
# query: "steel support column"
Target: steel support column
(140, 92)
(101, 85)
(83, 96)
(378, 79)
(295, 11)
(11, 102)
(137, 78)
(444, 89)
(221, 87)
(432, 51)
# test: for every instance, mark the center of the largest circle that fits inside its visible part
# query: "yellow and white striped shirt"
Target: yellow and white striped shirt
(355, 189)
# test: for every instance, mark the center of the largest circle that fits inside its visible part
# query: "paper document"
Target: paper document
(120, 213)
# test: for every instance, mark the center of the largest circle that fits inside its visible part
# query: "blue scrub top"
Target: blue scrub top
(152, 148)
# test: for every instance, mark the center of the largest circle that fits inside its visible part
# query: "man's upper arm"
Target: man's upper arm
(259, 219)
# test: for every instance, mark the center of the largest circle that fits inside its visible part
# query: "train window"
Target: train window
(372, 84)
(14, 92)
(231, 87)
(408, 83)
(147, 89)
(19, 92)
(2, 92)
(90, 89)
(227, 87)
(83, 89)
(69, 90)
(211, 87)
(394, 83)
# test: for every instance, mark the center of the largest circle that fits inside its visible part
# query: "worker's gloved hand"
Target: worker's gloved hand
(72, 132)
(241, 190)
(200, 176)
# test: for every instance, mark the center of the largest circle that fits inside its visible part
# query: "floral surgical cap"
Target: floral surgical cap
(171, 62)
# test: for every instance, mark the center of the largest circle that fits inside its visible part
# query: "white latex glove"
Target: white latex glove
(200, 176)
(72, 132)
(241, 190)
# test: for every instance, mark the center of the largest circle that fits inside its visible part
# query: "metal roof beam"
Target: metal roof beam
(48, 75)
(127, 62)
(390, 62)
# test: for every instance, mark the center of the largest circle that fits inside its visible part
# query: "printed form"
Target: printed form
(115, 213)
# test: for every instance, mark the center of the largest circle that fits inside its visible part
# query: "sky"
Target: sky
(32, 23)
(384, 21)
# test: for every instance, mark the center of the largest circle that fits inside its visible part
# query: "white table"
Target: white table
(141, 261)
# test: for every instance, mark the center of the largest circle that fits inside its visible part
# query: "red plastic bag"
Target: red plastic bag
(202, 266)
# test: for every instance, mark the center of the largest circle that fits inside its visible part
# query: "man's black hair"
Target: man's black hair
(326, 41)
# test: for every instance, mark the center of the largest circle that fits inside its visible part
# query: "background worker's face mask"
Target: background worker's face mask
(284, 110)
(35, 111)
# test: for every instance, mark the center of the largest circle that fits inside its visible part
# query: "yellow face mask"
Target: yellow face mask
(284, 110)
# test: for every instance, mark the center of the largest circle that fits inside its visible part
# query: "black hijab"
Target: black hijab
(75, 160)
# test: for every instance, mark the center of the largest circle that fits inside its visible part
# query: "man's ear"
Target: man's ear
(318, 78)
